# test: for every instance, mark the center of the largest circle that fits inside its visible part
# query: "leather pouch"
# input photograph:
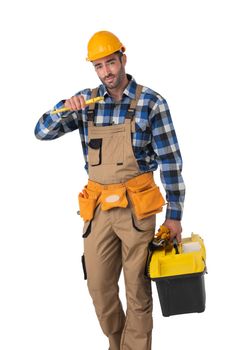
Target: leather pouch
(87, 203)
(113, 198)
(147, 201)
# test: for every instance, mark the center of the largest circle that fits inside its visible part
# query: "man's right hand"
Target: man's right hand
(75, 103)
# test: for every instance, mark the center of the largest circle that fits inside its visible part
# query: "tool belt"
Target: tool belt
(141, 190)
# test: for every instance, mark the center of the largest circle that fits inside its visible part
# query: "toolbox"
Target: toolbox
(178, 271)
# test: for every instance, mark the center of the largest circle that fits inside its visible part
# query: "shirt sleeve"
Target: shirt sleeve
(51, 126)
(165, 145)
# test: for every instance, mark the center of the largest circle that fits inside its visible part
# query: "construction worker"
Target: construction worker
(125, 137)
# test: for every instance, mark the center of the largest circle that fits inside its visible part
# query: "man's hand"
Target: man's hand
(175, 229)
(75, 103)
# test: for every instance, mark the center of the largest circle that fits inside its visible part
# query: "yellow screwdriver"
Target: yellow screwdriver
(87, 102)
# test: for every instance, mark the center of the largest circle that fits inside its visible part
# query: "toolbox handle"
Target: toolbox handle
(175, 245)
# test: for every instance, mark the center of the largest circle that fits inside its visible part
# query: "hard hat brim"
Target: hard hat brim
(104, 54)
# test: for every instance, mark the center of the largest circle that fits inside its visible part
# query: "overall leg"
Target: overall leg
(135, 235)
(102, 250)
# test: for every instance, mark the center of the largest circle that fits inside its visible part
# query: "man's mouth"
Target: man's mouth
(109, 79)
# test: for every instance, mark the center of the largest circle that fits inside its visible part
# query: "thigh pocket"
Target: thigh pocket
(147, 202)
(87, 228)
(95, 152)
(84, 267)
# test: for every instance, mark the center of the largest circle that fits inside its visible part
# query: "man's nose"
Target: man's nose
(106, 69)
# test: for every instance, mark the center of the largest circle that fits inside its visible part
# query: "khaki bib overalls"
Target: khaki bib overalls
(115, 238)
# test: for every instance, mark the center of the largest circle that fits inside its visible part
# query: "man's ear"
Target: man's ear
(124, 59)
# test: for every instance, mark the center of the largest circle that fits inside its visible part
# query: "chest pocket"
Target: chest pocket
(108, 150)
(113, 149)
(95, 151)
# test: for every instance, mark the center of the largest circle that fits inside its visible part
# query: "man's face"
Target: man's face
(110, 70)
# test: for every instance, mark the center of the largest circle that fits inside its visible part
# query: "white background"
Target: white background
(183, 50)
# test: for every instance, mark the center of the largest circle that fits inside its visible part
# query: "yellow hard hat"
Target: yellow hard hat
(102, 44)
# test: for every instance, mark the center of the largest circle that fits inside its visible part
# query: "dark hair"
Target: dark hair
(119, 54)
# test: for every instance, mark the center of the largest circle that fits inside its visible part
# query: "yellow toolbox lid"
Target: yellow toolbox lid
(191, 259)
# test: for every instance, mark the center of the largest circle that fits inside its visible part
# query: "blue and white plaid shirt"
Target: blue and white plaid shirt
(154, 141)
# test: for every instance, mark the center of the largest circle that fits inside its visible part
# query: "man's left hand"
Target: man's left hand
(175, 229)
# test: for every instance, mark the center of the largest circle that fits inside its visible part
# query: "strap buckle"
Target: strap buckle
(130, 113)
(90, 114)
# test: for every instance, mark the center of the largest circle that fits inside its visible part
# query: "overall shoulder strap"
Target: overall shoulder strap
(91, 109)
(134, 102)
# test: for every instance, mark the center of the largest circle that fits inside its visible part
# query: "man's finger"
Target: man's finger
(82, 102)
(175, 235)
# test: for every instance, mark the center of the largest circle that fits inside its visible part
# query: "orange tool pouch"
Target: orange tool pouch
(145, 196)
(143, 193)
(111, 198)
(87, 203)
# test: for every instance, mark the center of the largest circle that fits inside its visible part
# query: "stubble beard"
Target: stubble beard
(119, 78)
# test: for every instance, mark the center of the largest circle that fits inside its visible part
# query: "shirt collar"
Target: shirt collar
(129, 91)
